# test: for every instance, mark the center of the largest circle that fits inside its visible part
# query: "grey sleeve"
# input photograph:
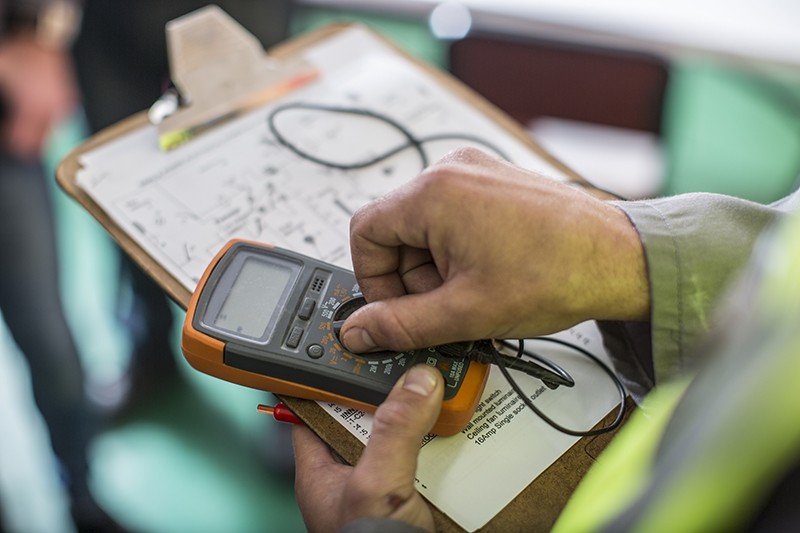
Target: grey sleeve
(695, 245)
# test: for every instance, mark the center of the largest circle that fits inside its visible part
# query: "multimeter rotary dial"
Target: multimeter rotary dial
(349, 307)
(386, 365)
(344, 311)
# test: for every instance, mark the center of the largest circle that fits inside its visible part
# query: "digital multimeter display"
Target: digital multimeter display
(254, 298)
(269, 319)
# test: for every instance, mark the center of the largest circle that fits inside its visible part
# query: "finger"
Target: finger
(387, 239)
(404, 418)
(422, 278)
(408, 222)
(383, 479)
(445, 314)
(417, 270)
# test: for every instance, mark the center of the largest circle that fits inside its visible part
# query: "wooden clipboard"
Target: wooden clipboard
(538, 506)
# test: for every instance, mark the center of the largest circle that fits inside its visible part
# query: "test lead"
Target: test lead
(483, 351)
(280, 412)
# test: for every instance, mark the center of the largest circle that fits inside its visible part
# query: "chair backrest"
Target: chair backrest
(529, 78)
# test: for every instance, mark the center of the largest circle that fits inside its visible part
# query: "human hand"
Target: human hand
(476, 248)
(331, 494)
(38, 90)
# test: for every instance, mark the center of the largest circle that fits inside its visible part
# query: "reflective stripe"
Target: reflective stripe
(620, 474)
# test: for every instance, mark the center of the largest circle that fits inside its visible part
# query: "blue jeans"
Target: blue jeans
(31, 306)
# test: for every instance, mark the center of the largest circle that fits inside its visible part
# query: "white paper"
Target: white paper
(238, 182)
(182, 206)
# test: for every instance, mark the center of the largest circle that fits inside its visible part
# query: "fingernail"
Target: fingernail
(420, 380)
(358, 340)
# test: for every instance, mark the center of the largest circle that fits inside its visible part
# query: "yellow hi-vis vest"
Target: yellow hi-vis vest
(705, 453)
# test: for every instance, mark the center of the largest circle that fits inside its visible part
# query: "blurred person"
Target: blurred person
(716, 444)
(37, 91)
(122, 68)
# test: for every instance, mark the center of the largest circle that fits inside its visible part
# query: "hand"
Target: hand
(477, 248)
(38, 91)
(331, 494)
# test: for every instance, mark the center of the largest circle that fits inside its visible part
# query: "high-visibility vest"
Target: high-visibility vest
(704, 453)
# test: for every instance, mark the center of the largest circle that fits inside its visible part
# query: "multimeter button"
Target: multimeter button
(294, 337)
(307, 308)
(315, 351)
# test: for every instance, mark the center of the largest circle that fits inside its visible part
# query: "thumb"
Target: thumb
(411, 321)
(406, 416)
(382, 483)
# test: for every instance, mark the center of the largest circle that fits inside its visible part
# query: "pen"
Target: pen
(281, 413)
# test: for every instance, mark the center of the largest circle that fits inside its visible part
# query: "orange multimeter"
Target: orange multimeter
(269, 319)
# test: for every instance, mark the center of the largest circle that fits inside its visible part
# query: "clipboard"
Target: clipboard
(538, 506)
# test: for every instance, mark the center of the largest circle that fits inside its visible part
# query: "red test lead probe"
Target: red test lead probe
(281, 413)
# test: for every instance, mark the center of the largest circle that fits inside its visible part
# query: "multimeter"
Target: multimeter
(269, 318)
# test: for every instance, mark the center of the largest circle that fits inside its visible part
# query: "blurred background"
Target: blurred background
(642, 98)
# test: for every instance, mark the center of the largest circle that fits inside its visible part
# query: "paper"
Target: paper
(182, 206)
(238, 181)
